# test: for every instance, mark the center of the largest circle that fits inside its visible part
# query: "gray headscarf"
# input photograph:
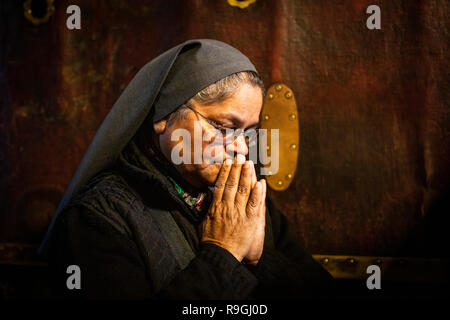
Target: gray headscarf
(163, 84)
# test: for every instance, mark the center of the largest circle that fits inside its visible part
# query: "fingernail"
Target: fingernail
(228, 162)
(250, 162)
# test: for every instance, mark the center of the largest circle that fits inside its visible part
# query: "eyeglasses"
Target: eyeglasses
(250, 135)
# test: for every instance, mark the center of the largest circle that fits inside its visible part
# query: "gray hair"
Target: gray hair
(220, 91)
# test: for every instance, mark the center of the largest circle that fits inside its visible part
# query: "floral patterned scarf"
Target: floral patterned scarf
(197, 203)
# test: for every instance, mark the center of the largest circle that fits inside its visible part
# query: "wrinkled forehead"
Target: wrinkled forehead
(241, 110)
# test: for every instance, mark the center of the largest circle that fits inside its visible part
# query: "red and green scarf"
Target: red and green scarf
(196, 203)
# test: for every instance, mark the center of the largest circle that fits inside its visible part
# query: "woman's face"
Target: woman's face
(191, 139)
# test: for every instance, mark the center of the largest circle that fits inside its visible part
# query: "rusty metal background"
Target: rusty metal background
(373, 171)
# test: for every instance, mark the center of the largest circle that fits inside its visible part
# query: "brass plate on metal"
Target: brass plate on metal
(419, 270)
(38, 11)
(240, 3)
(280, 112)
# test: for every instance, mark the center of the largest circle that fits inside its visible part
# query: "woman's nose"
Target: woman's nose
(239, 146)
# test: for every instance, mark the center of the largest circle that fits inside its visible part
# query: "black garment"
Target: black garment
(109, 231)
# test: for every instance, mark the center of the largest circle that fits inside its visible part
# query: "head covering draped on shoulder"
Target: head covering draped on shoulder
(161, 86)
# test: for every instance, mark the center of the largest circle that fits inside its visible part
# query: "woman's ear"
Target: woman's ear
(160, 126)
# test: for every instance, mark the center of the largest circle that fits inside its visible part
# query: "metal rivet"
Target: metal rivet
(293, 147)
(288, 95)
(266, 117)
(278, 87)
(280, 182)
(325, 260)
(289, 176)
(268, 147)
(351, 261)
(270, 96)
(292, 116)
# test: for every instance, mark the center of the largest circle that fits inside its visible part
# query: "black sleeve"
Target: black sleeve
(286, 270)
(111, 266)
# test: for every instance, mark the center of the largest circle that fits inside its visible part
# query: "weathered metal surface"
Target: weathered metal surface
(20, 254)
(401, 269)
(374, 172)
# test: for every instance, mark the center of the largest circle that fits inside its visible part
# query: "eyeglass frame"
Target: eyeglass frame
(221, 127)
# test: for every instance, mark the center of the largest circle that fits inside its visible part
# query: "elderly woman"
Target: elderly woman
(140, 224)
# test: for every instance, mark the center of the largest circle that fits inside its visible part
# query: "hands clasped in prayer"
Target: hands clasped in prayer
(236, 218)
